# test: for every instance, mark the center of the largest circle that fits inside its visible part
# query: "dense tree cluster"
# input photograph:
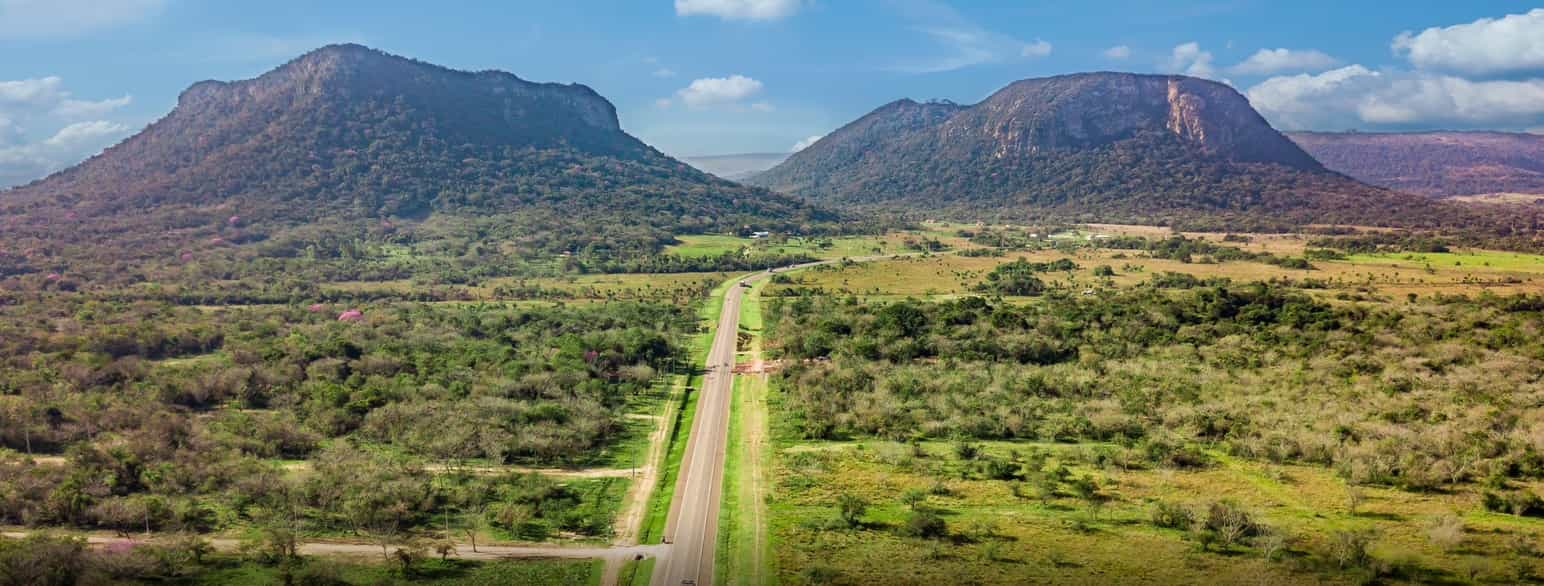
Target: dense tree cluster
(150, 414)
(1264, 372)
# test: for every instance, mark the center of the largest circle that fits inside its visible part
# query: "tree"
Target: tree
(851, 508)
(474, 511)
(914, 497)
(925, 524)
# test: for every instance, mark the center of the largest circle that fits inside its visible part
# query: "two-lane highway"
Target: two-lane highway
(692, 526)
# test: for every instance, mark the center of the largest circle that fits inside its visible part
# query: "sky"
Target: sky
(699, 77)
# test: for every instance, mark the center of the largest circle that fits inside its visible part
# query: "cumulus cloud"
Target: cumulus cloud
(1473, 75)
(1189, 59)
(738, 9)
(1038, 48)
(719, 91)
(43, 19)
(20, 163)
(804, 144)
(1117, 52)
(1357, 97)
(75, 109)
(1489, 46)
(26, 92)
(1267, 61)
(70, 129)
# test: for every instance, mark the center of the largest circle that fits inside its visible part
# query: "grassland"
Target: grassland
(1390, 275)
(824, 248)
(1007, 532)
(1002, 538)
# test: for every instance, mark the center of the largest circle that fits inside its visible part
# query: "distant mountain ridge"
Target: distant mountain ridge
(1436, 164)
(347, 133)
(1116, 146)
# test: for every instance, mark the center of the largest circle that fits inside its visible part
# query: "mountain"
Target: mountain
(738, 166)
(1112, 146)
(1436, 164)
(347, 137)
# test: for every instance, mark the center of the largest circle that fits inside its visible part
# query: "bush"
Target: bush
(1172, 515)
(851, 509)
(1520, 503)
(925, 524)
(1349, 548)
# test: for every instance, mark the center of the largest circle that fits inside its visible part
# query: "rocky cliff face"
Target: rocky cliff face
(1117, 143)
(1092, 110)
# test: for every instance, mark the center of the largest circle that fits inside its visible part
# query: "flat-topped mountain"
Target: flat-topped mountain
(1116, 146)
(347, 133)
(1436, 164)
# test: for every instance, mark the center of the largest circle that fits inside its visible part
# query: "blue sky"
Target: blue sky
(725, 76)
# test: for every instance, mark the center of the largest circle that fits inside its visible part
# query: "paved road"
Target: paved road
(692, 525)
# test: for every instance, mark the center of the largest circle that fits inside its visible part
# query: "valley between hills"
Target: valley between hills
(364, 319)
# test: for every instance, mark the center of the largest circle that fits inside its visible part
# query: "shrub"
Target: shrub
(925, 524)
(1349, 548)
(850, 508)
(1520, 503)
(1447, 532)
(1172, 515)
(1230, 522)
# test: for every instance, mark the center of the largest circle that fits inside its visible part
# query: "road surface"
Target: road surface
(692, 525)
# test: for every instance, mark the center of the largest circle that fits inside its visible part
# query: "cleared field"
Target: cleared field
(999, 533)
(823, 248)
(1394, 275)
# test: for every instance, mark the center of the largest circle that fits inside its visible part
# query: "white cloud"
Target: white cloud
(804, 144)
(1189, 59)
(71, 129)
(85, 133)
(663, 103)
(1267, 61)
(27, 98)
(967, 43)
(79, 109)
(739, 9)
(762, 107)
(718, 91)
(1357, 97)
(43, 19)
(1117, 52)
(1322, 101)
(1489, 46)
(20, 163)
(31, 92)
(664, 72)
(1038, 48)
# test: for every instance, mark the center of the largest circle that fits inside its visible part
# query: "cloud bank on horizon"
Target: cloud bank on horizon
(1482, 74)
